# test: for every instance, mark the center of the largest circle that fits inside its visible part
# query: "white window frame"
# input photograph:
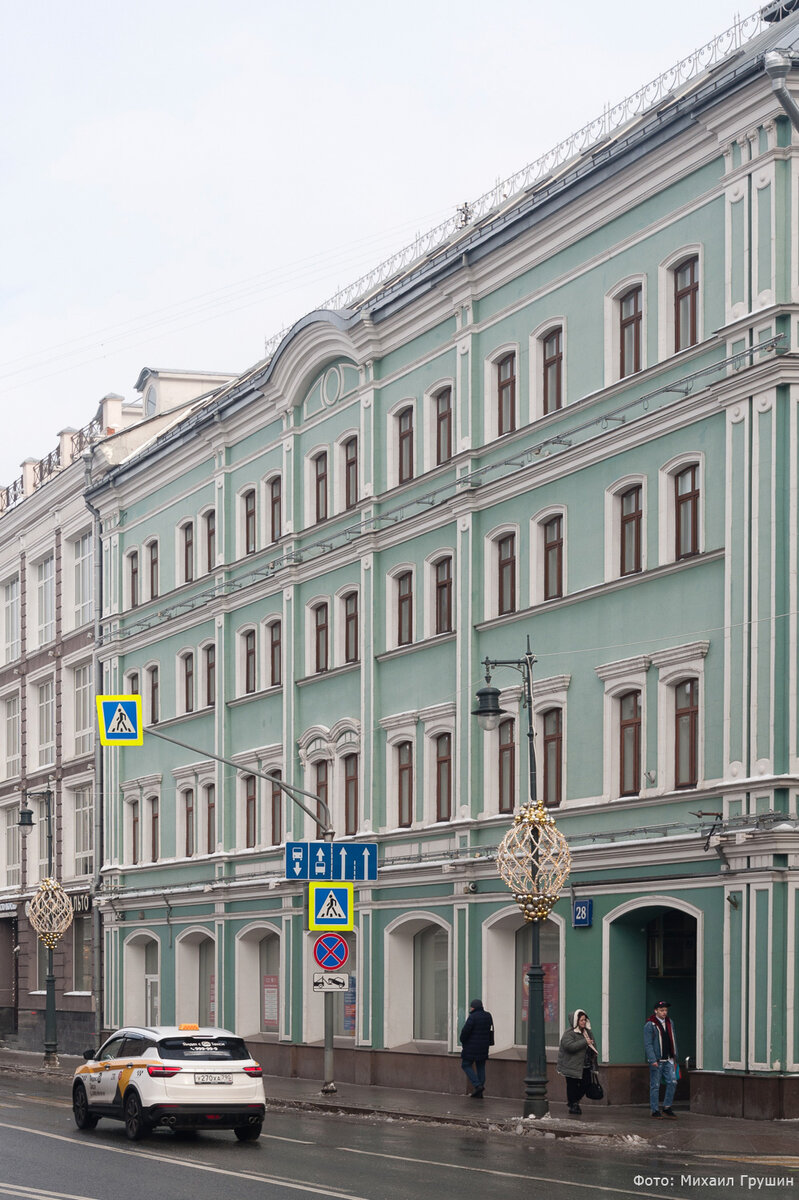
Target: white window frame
(12, 626)
(12, 734)
(667, 526)
(11, 847)
(549, 693)
(429, 615)
(666, 282)
(392, 606)
(241, 521)
(82, 551)
(674, 666)
(613, 496)
(339, 471)
(145, 589)
(180, 557)
(612, 339)
(127, 583)
(266, 650)
(340, 623)
(430, 424)
(45, 721)
(491, 569)
(202, 532)
(537, 339)
(436, 720)
(491, 390)
(241, 660)
(83, 716)
(266, 507)
(80, 852)
(620, 677)
(45, 600)
(309, 474)
(401, 727)
(537, 555)
(510, 700)
(180, 681)
(392, 441)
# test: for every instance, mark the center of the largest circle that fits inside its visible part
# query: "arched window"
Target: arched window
(507, 766)
(430, 984)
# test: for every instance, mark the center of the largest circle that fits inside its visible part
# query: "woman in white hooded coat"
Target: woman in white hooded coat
(577, 1058)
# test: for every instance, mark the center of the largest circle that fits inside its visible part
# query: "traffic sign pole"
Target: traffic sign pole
(328, 1087)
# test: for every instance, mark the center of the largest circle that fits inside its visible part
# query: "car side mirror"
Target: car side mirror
(89, 1054)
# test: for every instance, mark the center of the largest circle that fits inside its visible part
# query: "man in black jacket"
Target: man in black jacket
(476, 1037)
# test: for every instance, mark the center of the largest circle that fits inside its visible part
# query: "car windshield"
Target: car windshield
(188, 1049)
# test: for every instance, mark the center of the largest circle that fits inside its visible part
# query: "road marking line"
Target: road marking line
(273, 1137)
(18, 1189)
(589, 1187)
(297, 1185)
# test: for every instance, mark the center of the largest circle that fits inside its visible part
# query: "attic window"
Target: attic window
(149, 402)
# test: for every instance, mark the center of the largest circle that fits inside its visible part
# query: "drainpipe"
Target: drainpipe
(97, 929)
(778, 64)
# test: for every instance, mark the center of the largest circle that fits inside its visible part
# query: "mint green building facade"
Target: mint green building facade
(573, 420)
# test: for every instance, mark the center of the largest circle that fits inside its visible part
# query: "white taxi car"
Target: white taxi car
(178, 1076)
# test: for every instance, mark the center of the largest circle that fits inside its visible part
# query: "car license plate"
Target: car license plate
(209, 1077)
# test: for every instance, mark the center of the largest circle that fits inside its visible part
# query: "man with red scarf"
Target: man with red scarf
(660, 1044)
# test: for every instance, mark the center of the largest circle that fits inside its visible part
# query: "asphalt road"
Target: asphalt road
(44, 1157)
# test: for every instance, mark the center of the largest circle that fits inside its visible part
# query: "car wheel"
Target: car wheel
(248, 1133)
(84, 1119)
(135, 1124)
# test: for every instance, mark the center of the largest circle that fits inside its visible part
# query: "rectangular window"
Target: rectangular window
(84, 709)
(188, 683)
(152, 550)
(553, 558)
(405, 609)
(686, 503)
(686, 296)
(46, 711)
(630, 540)
(506, 565)
(686, 719)
(250, 810)
(133, 577)
(249, 522)
(83, 579)
(444, 777)
(405, 427)
(188, 552)
(135, 846)
(84, 831)
(351, 627)
(630, 317)
(507, 767)
(321, 638)
(506, 394)
(351, 794)
(320, 771)
(155, 696)
(276, 508)
(210, 540)
(351, 472)
(444, 595)
(553, 757)
(249, 662)
(443, 403)
(12, 619)
(13, 745)
(209, 659)
(210, 818)
(154, 828)
(46, 599)
(188, 816)
(404, 783)
(277, 810)
(630, 744)
(275, 654)
(553, 370)
(320, 476)
(81, 954)
(12, 834)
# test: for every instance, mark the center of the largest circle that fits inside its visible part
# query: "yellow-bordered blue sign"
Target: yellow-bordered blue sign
(120, 722)
(331, 906)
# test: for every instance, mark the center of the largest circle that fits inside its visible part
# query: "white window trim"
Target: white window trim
(429, 615)
(436, 720)
(41, 633)
(674, 666)
(11, 646)
(202, 515)
(265, 650)
(266, 507)
(613, 496)
(315, 746)
(537, 523)
(510, 699)
(200, 700)
(337, 469)
(180, 558)
(537, 339)
(143, 789)
(180, 698)
(345, 739)
(491, 390)
(666, 281)
(666, 503)
(126, 582)
(429, 418)
(241, 660)
(70, 610)
(339, 622)
(34, 712)
(625, 675)
(145, 691)
(144, 571)
(400, 727)
(491, 569)
(310, 635)
(392, 605)
(392, 441)
(309, 473)
(612, 340)
(70, 730)
(77, 783)
(13, 693)
(547, 694)
(241, 522)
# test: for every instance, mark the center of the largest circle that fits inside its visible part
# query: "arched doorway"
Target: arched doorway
(652, 951)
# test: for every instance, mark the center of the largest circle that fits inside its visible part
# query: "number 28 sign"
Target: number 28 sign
(582, 913)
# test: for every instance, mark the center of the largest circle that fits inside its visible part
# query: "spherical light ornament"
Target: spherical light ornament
(50, 912)
(534, 861)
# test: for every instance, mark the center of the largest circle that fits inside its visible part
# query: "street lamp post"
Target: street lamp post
(50, 914)
(533, 859)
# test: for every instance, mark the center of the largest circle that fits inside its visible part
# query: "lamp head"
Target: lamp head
(488, 712)
(25, 822)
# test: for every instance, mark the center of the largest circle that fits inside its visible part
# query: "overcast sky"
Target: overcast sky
(183, 178)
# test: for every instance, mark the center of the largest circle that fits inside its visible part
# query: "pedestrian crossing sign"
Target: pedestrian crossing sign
(330, 906)
(119, 718)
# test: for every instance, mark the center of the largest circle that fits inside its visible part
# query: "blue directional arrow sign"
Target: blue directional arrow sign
(351, 861)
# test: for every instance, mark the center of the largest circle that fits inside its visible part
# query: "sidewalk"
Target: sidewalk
(691, 1132)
